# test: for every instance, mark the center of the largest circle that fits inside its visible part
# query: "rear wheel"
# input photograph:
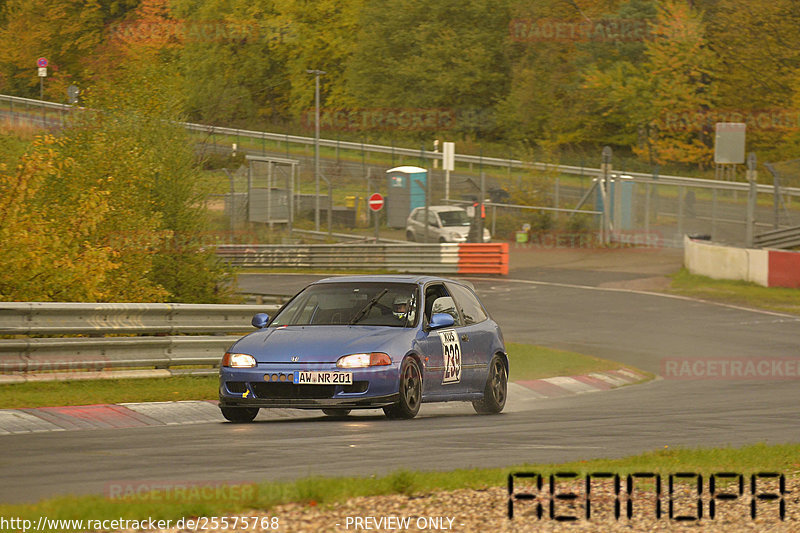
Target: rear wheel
(336, 413)
(496, 390)
(239, 414)
(410, 391)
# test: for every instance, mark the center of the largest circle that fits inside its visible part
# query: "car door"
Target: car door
(418, 224)
(434, 230)
(442, 348)
(476, 338)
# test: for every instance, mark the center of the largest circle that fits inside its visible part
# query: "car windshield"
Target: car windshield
(454, 218)
(371, 304)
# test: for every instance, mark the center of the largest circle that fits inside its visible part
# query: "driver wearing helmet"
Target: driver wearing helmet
(400, 308)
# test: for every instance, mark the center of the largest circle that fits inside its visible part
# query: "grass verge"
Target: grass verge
(174, 501)
(55, 393)
(526, 361)
(736, 292)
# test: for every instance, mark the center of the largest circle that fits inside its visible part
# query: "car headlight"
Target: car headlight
(238, 360)
(363, 360)
(456, 236)
(486, 235)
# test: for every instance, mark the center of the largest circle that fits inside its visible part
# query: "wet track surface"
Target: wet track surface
(634, 328)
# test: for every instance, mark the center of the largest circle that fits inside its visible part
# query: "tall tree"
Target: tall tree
(234, 60)
(759, 75)
(447, 54)
(660, 99)
(63, 32)
(49, 253)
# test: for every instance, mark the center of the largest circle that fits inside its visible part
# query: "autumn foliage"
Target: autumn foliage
(647, 77)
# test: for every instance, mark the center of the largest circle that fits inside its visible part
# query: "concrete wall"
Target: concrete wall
(769, 268)
(726, 262)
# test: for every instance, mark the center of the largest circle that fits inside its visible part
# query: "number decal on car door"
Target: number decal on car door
(451, 350)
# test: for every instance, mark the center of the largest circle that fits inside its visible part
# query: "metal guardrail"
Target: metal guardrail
(45, 318)
(104, 353)
(462, 158)
(31, 356)
(36, 103)
(426, 258)
(662, 179)
(486, 258)
(779, 238)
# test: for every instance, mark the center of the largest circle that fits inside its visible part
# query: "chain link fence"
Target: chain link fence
(649, 207)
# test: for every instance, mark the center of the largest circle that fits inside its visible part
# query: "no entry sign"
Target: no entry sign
(375, 202)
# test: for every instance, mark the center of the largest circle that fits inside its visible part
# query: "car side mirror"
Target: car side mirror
(441, 320)
(260, 320)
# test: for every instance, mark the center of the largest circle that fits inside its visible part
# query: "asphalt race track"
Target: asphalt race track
(635, 328)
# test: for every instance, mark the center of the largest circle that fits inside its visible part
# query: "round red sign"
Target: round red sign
(375, 202)
(41, 62)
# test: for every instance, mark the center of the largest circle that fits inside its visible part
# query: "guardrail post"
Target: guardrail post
(647, 209)
(681, 200)
(605, 167)
(713, 213)
(752, 176)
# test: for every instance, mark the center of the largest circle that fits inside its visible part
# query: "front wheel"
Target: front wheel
(496, 390)
(410, 236)
(410, 391)
(239, 414)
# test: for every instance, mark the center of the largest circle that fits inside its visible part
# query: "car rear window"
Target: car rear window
(454, 218)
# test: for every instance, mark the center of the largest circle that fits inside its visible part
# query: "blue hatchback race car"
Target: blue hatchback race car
(361, 342)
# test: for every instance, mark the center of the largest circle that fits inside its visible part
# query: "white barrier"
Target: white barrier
(726, 262)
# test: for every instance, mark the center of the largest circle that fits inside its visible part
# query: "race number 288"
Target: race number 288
(451, 349)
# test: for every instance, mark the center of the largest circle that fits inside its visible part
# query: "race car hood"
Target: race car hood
(321, 344)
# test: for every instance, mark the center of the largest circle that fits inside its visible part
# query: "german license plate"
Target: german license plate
(323, 378)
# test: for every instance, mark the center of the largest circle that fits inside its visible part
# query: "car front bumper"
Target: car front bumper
(271, 386)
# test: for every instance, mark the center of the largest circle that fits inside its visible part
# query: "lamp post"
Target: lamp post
(316, 144)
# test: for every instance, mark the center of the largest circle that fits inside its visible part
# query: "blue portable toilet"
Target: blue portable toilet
(406, 191)
(620, 200)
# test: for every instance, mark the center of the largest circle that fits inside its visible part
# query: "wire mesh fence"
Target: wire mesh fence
(659, 207)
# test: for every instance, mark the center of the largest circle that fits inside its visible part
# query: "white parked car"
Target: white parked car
(446, 223)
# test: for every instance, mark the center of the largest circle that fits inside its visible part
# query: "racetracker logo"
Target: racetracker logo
(175, 242)
(378, 119)
(597, 31)
(731, 368)
(754, 119)
(179, 491)
(48, 363)
(196, 31)
(620, 239)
